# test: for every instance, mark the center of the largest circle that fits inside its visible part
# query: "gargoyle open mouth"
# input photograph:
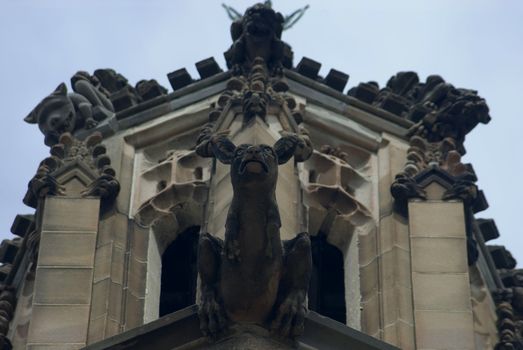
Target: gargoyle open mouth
(253, 166)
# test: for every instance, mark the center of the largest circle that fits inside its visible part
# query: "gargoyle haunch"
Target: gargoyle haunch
(252, 277)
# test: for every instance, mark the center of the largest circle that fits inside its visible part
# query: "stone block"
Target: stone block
(368, 247)
(179, 78)
(308, 68)
(488, 229)
(96, 329)
(140, 242)
(369, 279)
(390, 334)
(449, 292)
(99, 298)
(386, 233)
(397, 305)
(69, 346)
(406, 336)
(112, 327)
(115, 301)
(207, 68)
(336, 79)
(59, 324)
(67, 249)
(117, 265)
(370, 315)
(134, 311)
(439, 255)
(63, 285)
(137, 277)
(71, 214)
(401, 232)
(444, 330)
(22, 225)
(113, 229)
(102, 262)
(436, 219)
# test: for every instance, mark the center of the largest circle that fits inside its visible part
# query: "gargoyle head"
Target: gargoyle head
(257, 165)
(259, 23)
(55, 115)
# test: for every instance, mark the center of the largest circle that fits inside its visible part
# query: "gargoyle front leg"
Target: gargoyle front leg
(213, 319)
(290, 308)
(232, 245)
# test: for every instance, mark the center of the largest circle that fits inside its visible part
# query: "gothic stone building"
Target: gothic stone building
(395, 255)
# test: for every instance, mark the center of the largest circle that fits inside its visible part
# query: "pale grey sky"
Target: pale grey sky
(475, 44)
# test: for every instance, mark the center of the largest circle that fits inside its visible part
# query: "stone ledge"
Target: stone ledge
(182, 330)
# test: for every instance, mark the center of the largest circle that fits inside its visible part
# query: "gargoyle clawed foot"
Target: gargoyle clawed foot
(232, 250)
(213, 320)
(290, 315)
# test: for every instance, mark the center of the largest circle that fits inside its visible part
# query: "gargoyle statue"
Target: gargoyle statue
(62, 112)
(258, 34)
(252, 277)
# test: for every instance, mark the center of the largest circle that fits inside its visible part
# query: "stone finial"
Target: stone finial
(258, 34)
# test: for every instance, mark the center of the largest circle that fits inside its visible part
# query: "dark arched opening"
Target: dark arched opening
(179, 272)
(327, 287)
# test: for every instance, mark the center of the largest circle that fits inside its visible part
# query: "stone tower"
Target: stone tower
(108, 259)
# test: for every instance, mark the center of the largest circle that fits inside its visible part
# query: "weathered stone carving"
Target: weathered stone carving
(121, 94)
(335, 151)
(61, 112)
(255, 92)
(509, 301)
(251, 277)
(89, 155)
(149, 89)
(438, 162)
(258, 34)
(7, 306)
(438, 108)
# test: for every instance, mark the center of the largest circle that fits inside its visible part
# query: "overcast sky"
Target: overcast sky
(473, 44)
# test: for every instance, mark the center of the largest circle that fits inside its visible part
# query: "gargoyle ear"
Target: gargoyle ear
(285, 147)
(31, 118)
(223, 149)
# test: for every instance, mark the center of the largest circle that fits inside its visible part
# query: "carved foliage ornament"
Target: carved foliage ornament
(70, 152)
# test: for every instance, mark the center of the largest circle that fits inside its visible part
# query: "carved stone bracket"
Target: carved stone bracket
(71, 158)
